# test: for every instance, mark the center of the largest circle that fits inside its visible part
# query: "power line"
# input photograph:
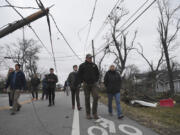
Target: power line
(90, 24)
(6, 6)
(40, 4)
(29, 27)
(105, 21)
(131, 22)
(64, 38)
(134, 13)
(131, 15)
(33, 31)
(137, 18)
(40, 41)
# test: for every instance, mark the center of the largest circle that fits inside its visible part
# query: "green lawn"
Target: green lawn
(165, 121)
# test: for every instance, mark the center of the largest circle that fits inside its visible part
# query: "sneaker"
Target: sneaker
(120, 117)
(96, 117)
(88, 117)
(73, 107)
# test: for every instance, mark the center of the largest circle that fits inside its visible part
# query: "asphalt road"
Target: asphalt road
(38, 119)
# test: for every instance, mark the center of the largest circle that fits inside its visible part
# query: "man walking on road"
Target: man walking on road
(51, 85)
(112, 81)
(17, 82)
(89, 74)
(35, 81)
(74, 89)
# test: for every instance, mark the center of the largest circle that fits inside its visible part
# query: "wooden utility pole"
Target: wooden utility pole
(93, 51)
(21, 23)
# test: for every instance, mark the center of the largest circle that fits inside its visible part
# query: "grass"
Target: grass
(165, 121)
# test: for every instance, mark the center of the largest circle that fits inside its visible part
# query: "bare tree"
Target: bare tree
(25, 52)
(101, 70)
(151, 64)
(168, 28)
(119, 46)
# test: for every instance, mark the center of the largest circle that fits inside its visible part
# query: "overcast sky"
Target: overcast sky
(71, 16)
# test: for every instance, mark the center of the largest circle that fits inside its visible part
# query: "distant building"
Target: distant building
(162, 84)
(158, 82)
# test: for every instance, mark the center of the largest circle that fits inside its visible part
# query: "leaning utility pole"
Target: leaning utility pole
(93, 51)
(21, 23)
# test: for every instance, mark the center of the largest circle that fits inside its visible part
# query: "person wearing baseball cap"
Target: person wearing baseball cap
(88, 74)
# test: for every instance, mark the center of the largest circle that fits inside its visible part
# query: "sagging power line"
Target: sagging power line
(90, 25)
(131, 22)
(105, 21)
(65, 38)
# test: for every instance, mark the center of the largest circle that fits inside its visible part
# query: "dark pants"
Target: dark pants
(35, 91)
(75, 95)
(45, 92)
(88, 90)
(51, 92)
(10, 98)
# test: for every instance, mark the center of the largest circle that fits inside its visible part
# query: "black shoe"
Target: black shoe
(13, 113)
(49, 105)
(120, 117)
(79, 108)
(19, 108)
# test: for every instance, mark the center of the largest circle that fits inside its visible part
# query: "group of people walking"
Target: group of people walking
(87, 76)
(16, 84)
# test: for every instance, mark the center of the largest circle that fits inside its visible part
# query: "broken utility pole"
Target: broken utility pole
(21, 23)
(94, 60)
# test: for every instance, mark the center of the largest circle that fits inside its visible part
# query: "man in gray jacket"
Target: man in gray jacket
(74, 89)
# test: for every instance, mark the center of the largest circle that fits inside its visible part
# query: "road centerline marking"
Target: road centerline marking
(75, 124)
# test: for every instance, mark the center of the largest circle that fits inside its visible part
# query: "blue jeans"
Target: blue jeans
(118, 106)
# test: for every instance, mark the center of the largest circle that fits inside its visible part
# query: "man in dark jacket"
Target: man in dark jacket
(112, 81)
(74, 89)
(89, 74)
(51, 86)
(17, 82)
(35, 81)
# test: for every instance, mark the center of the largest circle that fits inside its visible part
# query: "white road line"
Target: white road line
(75, 125)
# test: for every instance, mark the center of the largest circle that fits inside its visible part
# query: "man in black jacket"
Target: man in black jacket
(17, 82)
(51, 86)
(112, 81)
(74, 89)
(35, 81)
(89, 74)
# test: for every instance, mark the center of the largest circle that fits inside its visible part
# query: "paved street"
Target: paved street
(39, 119)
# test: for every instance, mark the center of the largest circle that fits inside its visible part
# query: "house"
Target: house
(158, 82)
(162, 84)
